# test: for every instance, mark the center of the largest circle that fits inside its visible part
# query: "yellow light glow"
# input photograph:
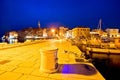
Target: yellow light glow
(60, 34)
(53, 30)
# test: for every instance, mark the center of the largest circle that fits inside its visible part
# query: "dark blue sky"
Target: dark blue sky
(19, 14)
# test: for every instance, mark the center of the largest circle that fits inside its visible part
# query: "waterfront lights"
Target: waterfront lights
(52, 30)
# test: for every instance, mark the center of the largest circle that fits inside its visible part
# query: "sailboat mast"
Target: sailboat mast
(100, 24)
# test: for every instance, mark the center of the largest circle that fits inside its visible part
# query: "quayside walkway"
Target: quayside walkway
(22, 62)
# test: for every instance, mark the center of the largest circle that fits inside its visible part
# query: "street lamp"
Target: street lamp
(52, 30)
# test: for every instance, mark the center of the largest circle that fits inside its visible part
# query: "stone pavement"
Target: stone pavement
(23, 63)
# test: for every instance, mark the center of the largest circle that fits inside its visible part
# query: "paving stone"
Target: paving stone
(10, 76)
(82, 77)
(27, 64)
(37, 78)
(8, 67)
(23, 77)
(37, 65)
(1, 72)
(29, 77)
(58, 76)
(37, 72)
(23, 70)
(13, 63)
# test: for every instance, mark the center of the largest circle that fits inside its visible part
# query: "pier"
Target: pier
(22, 62)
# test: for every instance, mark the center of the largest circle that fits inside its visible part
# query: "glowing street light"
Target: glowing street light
(53, 30)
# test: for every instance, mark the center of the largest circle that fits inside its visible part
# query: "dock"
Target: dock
(22, 62)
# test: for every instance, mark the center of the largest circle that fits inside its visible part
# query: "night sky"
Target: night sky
(20, 14)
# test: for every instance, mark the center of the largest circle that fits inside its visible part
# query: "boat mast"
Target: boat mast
(100, 24)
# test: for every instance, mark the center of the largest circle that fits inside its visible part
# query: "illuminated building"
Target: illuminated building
(81, 32)
(62, 31)
(13, 35)
(45, 32)
(69, 34)
(51, 32)
(112, 33)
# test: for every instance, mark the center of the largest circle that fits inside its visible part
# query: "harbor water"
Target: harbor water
(108, 69)
(107, 65)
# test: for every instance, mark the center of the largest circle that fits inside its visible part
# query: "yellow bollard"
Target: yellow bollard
(49, 63)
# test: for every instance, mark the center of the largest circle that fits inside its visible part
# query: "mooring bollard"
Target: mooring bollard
(49, 63)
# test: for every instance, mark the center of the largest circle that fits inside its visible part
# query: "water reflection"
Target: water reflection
(110, 70)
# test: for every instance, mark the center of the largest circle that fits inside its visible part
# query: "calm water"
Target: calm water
(109, 70)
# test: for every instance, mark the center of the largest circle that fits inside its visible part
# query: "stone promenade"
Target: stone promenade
(22, 62)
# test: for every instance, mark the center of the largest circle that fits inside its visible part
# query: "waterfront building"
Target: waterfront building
(81, 32)
(38, 32)
(45, 32)
(98, 32)
(112, 33)
(69, 34)
(62, 31)
(94, 34)
(13, 35)
(51, 32)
